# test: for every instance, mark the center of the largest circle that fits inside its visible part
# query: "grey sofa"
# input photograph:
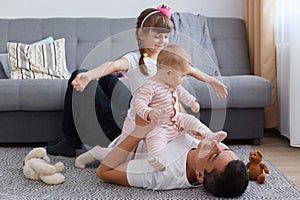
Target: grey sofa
(31, 110)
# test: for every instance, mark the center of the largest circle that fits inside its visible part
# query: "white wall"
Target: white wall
(115, 8)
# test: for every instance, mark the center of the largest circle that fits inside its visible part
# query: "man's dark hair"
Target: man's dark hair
(230, 183)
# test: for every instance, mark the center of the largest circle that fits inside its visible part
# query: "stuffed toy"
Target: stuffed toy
(36, 166)
(256, 168)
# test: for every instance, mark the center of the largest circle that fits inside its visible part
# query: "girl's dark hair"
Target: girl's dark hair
(157, 22)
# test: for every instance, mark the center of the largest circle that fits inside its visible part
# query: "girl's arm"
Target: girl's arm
(107, 68)
(188, 99)
(113, 168)
(219, 88)
(82, 79)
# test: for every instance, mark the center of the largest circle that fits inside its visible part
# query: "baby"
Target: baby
(158, 99)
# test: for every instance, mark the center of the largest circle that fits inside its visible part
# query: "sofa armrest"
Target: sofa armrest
(244, 91)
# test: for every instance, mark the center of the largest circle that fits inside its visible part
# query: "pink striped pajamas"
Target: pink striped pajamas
(156, 95)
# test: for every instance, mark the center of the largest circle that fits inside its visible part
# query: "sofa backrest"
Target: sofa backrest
(84, 34)
(81, 34)
(231, 45)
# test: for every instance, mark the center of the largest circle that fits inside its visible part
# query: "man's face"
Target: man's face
(217, 157)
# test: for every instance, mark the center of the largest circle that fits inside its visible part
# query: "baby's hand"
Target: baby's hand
(155, 114)
(195, 107)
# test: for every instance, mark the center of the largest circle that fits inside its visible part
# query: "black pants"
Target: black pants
(111, 103)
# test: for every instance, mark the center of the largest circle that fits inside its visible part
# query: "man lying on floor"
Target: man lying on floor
(189, 163)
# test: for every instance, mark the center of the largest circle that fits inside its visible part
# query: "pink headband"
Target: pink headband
(164, 9)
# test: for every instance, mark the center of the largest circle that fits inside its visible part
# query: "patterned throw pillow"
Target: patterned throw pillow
(4, 56)
(44, 61)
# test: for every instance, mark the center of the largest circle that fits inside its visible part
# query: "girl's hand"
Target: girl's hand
(219, 88)
(81, 81)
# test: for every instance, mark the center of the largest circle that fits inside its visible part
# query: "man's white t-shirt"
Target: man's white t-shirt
(141, 174)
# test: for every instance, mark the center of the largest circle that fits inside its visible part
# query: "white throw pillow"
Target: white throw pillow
(42, 61)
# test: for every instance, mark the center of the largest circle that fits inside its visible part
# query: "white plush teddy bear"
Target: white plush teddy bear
(36, 166)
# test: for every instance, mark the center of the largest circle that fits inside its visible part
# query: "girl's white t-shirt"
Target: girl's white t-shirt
(135, 77)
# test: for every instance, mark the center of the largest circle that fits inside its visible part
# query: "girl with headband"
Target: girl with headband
(153, 27)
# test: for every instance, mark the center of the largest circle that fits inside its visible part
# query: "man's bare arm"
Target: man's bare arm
(113, 168)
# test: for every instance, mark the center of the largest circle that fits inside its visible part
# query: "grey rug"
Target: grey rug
(83, 184)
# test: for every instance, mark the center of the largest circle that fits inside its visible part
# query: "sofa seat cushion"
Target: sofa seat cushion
(32, 95)
(244, 91)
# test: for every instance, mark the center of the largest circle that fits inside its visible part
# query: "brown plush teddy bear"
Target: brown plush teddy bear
(256, 168)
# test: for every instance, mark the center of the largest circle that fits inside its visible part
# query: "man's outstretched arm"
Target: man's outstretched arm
(113, 168)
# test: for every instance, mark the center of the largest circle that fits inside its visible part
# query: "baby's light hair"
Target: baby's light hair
(173, 56)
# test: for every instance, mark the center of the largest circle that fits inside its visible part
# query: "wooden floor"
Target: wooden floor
(276, 149)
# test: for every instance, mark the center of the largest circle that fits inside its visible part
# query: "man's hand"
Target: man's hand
(155, 114)
(142, 131)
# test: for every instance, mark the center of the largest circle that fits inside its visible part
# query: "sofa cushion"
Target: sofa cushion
(45, 61)
(231, 45)
(32, 95)
(4, 56)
